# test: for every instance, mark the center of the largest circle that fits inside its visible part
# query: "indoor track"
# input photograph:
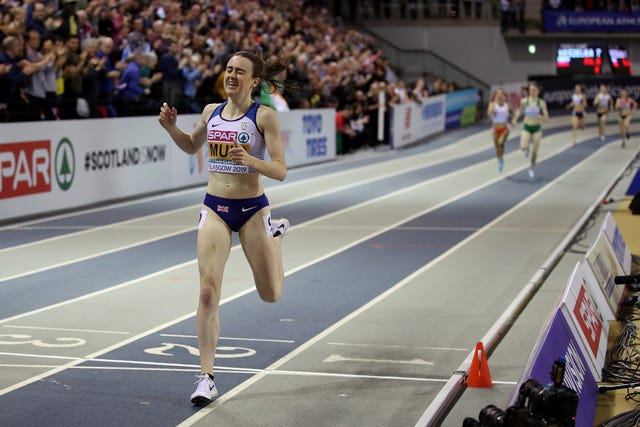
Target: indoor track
(397, 263)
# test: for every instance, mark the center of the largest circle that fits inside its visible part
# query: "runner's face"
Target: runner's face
(238, 76)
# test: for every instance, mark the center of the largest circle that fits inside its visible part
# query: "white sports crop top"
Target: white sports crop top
(222, 134)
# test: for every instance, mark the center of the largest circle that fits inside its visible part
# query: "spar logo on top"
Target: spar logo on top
(31, 167)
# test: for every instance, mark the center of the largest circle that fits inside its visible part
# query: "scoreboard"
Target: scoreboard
(620, 63)
(579, 59)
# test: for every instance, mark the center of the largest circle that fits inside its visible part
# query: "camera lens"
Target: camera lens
(492, 416)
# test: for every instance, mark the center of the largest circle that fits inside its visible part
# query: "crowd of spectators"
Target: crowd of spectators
(71, 59)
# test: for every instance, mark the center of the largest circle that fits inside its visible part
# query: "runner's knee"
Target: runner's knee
(269, 293)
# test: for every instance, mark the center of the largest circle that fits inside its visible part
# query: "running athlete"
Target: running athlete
(535, 112)
(625, 107)
(603, 103)
(237, 133)
(499, 110)
(578, 104)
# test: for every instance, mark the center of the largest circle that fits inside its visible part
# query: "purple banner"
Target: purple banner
(594, 22)
(559, 342)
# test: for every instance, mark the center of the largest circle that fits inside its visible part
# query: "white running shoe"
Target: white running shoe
(279, 227)
(531, 174)
(205, 392)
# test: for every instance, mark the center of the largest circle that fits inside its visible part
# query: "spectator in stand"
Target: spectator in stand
(359, 124)
(85, 29)
(72, 73)
(132, 93)
(345, 135)
(520, 7)
(420, 90)
(372, 110)
(192, 73)
(93, 75)
(112, 74)
(505, 15)
(51, 75)
(66, 23)
(478, 6)
(135, 42)
(297, 73)
(172, 80)
(36, 86)
(149, 75)
(105, 23)
(36, 15)
(14, 75)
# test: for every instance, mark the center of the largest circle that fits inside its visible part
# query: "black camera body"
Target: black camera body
(536, 405)
(556, 405)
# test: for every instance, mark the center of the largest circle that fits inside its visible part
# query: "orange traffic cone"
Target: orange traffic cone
(479, 374)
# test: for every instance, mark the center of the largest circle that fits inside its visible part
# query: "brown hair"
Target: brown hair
(268, 69)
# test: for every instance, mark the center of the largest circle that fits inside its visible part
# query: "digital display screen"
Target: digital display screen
(578, 59)
(620, 63)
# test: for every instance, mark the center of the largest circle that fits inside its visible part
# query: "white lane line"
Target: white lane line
(231, 338)
(397, 346)
(102, 227)
(94, 254)
(333, 358)
(197, 189)
(227, 370)
(96, 293)
(287, 373)
(97, 331)
(408, 279)
(77, 361)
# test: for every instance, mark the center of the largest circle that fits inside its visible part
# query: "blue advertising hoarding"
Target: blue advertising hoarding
(461, 108)
(594, 22)
(559, 342)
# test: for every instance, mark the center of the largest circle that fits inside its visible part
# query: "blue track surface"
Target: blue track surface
(310, 302)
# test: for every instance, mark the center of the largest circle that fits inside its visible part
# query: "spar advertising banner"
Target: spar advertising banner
(586, 319)
(595, 22)
(411, 122)
(55, 165)
(461, 108)
(59, 165)
(560, 342)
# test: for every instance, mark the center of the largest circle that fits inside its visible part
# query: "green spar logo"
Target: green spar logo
(65, 164)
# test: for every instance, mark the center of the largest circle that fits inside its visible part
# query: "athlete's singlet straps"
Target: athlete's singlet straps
(222, 134)
(532, 111)
(500, 114)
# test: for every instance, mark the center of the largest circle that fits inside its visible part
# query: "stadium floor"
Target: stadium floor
(397, 263)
